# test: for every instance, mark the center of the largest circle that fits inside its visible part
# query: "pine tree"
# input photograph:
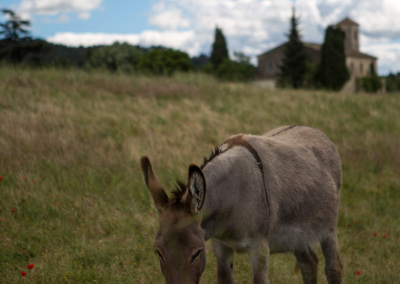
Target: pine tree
(16, 42)
(219, 50)
(293, 66)
(15, 28)
(332, 72)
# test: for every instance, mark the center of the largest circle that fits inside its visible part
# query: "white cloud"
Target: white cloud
(251, 26)
(172, 39)
(54, 7)
(168, 19)
(88, 39)
(388, 56)
(84, 15)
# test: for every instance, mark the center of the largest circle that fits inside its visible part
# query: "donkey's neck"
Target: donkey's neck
(227, 176)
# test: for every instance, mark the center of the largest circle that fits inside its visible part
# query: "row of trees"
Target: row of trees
(127, 58)
(17, 46)
(393, 82)
(330, 73)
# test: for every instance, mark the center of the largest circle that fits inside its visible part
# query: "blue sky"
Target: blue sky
(250, 26)
(108, 17)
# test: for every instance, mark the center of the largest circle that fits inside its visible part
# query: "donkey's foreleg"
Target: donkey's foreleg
(259, 255)
(308, 263)
(333, 264)
(224, 257)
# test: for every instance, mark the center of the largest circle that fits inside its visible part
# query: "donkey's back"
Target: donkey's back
(303, 177)
(308, 145)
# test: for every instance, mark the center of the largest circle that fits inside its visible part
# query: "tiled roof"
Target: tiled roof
(347, 22)
(316, 46)
(356, 53)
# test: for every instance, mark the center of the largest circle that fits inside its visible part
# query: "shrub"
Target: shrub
(117, 57)
(235, 71)
(164, 62)
(393, 82)
(371, 83)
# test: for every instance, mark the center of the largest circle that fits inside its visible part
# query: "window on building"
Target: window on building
(361, 68)
(355, 35)
(271, 67)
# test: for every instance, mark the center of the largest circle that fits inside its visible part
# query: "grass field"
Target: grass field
(72, 199)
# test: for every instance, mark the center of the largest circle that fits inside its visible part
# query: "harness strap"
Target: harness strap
(239, 141)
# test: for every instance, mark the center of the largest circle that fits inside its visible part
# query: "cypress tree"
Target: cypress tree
(293, 68)
(219, 50)
(332, 72)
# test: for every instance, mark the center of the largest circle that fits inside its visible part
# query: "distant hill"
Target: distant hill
(46, 53)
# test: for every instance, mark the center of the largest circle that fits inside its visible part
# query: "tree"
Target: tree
(371, 83)
(219, 50)
(293, 68)
(117, 57)
(241, 57)
(200, 61)
(164, 62)
(332, 71)
(230, 70)
(16, 42)
(393, 82)
(15, 28)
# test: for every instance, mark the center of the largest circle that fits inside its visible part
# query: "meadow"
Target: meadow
(73, 201)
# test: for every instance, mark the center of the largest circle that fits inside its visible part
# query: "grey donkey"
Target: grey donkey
(274, 193)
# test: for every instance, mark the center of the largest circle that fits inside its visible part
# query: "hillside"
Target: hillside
(72, 199)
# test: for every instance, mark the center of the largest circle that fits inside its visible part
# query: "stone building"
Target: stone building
(358, 63)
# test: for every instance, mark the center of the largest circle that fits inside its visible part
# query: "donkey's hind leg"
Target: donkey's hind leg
(259, 256)
(224, 257)
(308, 263)
(333, 264)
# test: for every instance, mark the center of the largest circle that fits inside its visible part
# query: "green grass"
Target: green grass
(70, 144)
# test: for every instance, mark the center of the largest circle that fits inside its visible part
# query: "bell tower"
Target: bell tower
(350, 29)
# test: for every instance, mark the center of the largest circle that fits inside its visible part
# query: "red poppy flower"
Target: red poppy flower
(25, 251)
(14, 210)
(384, 235)
(30, 266)
(1, 178)
(0, 219)
(358, 272)
(151, 213)
(356, 222)
(23, 273)
(375, 234)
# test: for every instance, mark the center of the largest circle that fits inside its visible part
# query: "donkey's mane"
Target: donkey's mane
(213, 154)
(178, 192)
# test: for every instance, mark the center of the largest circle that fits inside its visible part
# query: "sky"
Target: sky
(249, 26)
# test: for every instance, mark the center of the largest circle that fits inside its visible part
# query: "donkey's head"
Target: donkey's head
(180, 241)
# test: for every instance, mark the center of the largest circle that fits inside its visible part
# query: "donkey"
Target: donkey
(274, 193)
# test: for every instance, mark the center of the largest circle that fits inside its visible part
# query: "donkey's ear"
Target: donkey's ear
(197, 189)
(158, 194)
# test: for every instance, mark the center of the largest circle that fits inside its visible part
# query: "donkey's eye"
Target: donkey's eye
(196, 255)
(157, 252)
